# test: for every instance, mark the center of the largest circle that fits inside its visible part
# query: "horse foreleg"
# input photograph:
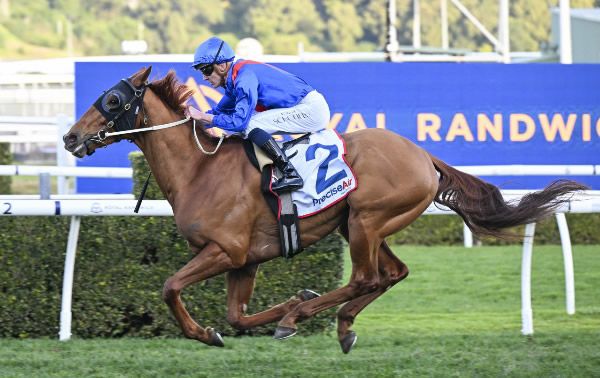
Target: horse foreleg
(240, 286)
(391, 271)
(209, 262)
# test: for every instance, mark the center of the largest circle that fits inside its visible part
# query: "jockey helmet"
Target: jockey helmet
(207, 52)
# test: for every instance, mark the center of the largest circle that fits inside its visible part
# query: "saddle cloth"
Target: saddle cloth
(319, 159)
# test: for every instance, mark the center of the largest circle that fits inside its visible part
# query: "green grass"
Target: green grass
(558, 354)
(457, 314)
(481, 289)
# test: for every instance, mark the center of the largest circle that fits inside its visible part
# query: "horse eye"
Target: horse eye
(113, 102)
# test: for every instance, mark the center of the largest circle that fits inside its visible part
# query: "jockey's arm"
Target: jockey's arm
(198, 115)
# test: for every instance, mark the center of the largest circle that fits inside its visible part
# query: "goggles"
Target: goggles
(208, 69)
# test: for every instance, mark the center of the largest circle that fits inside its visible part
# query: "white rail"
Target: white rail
(477, 170)
(531, 170)
(35, 170)
(483, 170)
(63, 172)
(71, 207)
(32, 129)
(82, 205)
(12, 197)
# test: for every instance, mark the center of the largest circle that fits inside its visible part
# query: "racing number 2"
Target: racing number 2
(322, 181)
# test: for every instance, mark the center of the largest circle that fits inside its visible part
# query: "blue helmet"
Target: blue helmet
(207, 51)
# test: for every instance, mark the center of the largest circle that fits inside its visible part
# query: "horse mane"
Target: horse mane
(175, 95)
(172, 91)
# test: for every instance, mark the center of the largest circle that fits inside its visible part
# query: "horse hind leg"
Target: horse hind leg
(365, 237)
(209, 262)
(240, 286)
(390, 268)
(391, 271)
(363, 280)
(377, 270)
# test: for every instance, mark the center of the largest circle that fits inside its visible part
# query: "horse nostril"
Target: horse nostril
(70, 138)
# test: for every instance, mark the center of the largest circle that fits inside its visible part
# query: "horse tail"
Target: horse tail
(482, 207)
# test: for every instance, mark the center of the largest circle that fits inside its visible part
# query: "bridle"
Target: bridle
(118, 115)
(124, 121)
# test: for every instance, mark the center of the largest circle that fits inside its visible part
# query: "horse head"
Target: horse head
(116, 109)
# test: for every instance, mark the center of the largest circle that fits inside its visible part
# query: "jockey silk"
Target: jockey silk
(254, 86)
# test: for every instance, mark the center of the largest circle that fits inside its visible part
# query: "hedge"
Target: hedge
(448, 230)
(120, 268)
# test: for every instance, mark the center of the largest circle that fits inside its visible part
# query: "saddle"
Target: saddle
(319, 158)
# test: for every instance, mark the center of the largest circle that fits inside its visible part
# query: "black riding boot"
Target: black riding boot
(291, 179)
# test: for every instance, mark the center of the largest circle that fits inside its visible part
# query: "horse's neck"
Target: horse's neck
(171, 153)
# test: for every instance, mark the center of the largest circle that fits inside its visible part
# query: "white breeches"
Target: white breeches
(309, 115)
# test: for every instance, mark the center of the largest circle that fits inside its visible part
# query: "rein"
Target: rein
(103, 134)
(164, 126)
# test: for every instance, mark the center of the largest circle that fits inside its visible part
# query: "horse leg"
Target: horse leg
(209, 262)
(363, 280)
(240, 286)
(392, 270)
(365, 237)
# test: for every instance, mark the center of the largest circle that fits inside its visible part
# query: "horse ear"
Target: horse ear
(141, 76)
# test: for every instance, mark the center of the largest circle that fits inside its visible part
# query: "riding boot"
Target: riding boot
(291, 179)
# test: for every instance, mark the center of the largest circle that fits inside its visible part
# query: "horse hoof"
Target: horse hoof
(307, 294)
(284, 332)
(347, 342)
(216, 339)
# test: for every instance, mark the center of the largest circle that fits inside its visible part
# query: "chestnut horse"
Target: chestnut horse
(219, 208)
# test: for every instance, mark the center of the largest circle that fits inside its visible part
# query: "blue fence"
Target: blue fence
(466, 114)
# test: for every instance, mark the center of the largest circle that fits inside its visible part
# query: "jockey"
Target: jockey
(260, 100)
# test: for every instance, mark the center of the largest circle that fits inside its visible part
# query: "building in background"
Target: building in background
(585, 34)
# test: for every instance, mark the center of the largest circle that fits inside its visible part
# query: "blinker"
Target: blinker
(117, 114)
